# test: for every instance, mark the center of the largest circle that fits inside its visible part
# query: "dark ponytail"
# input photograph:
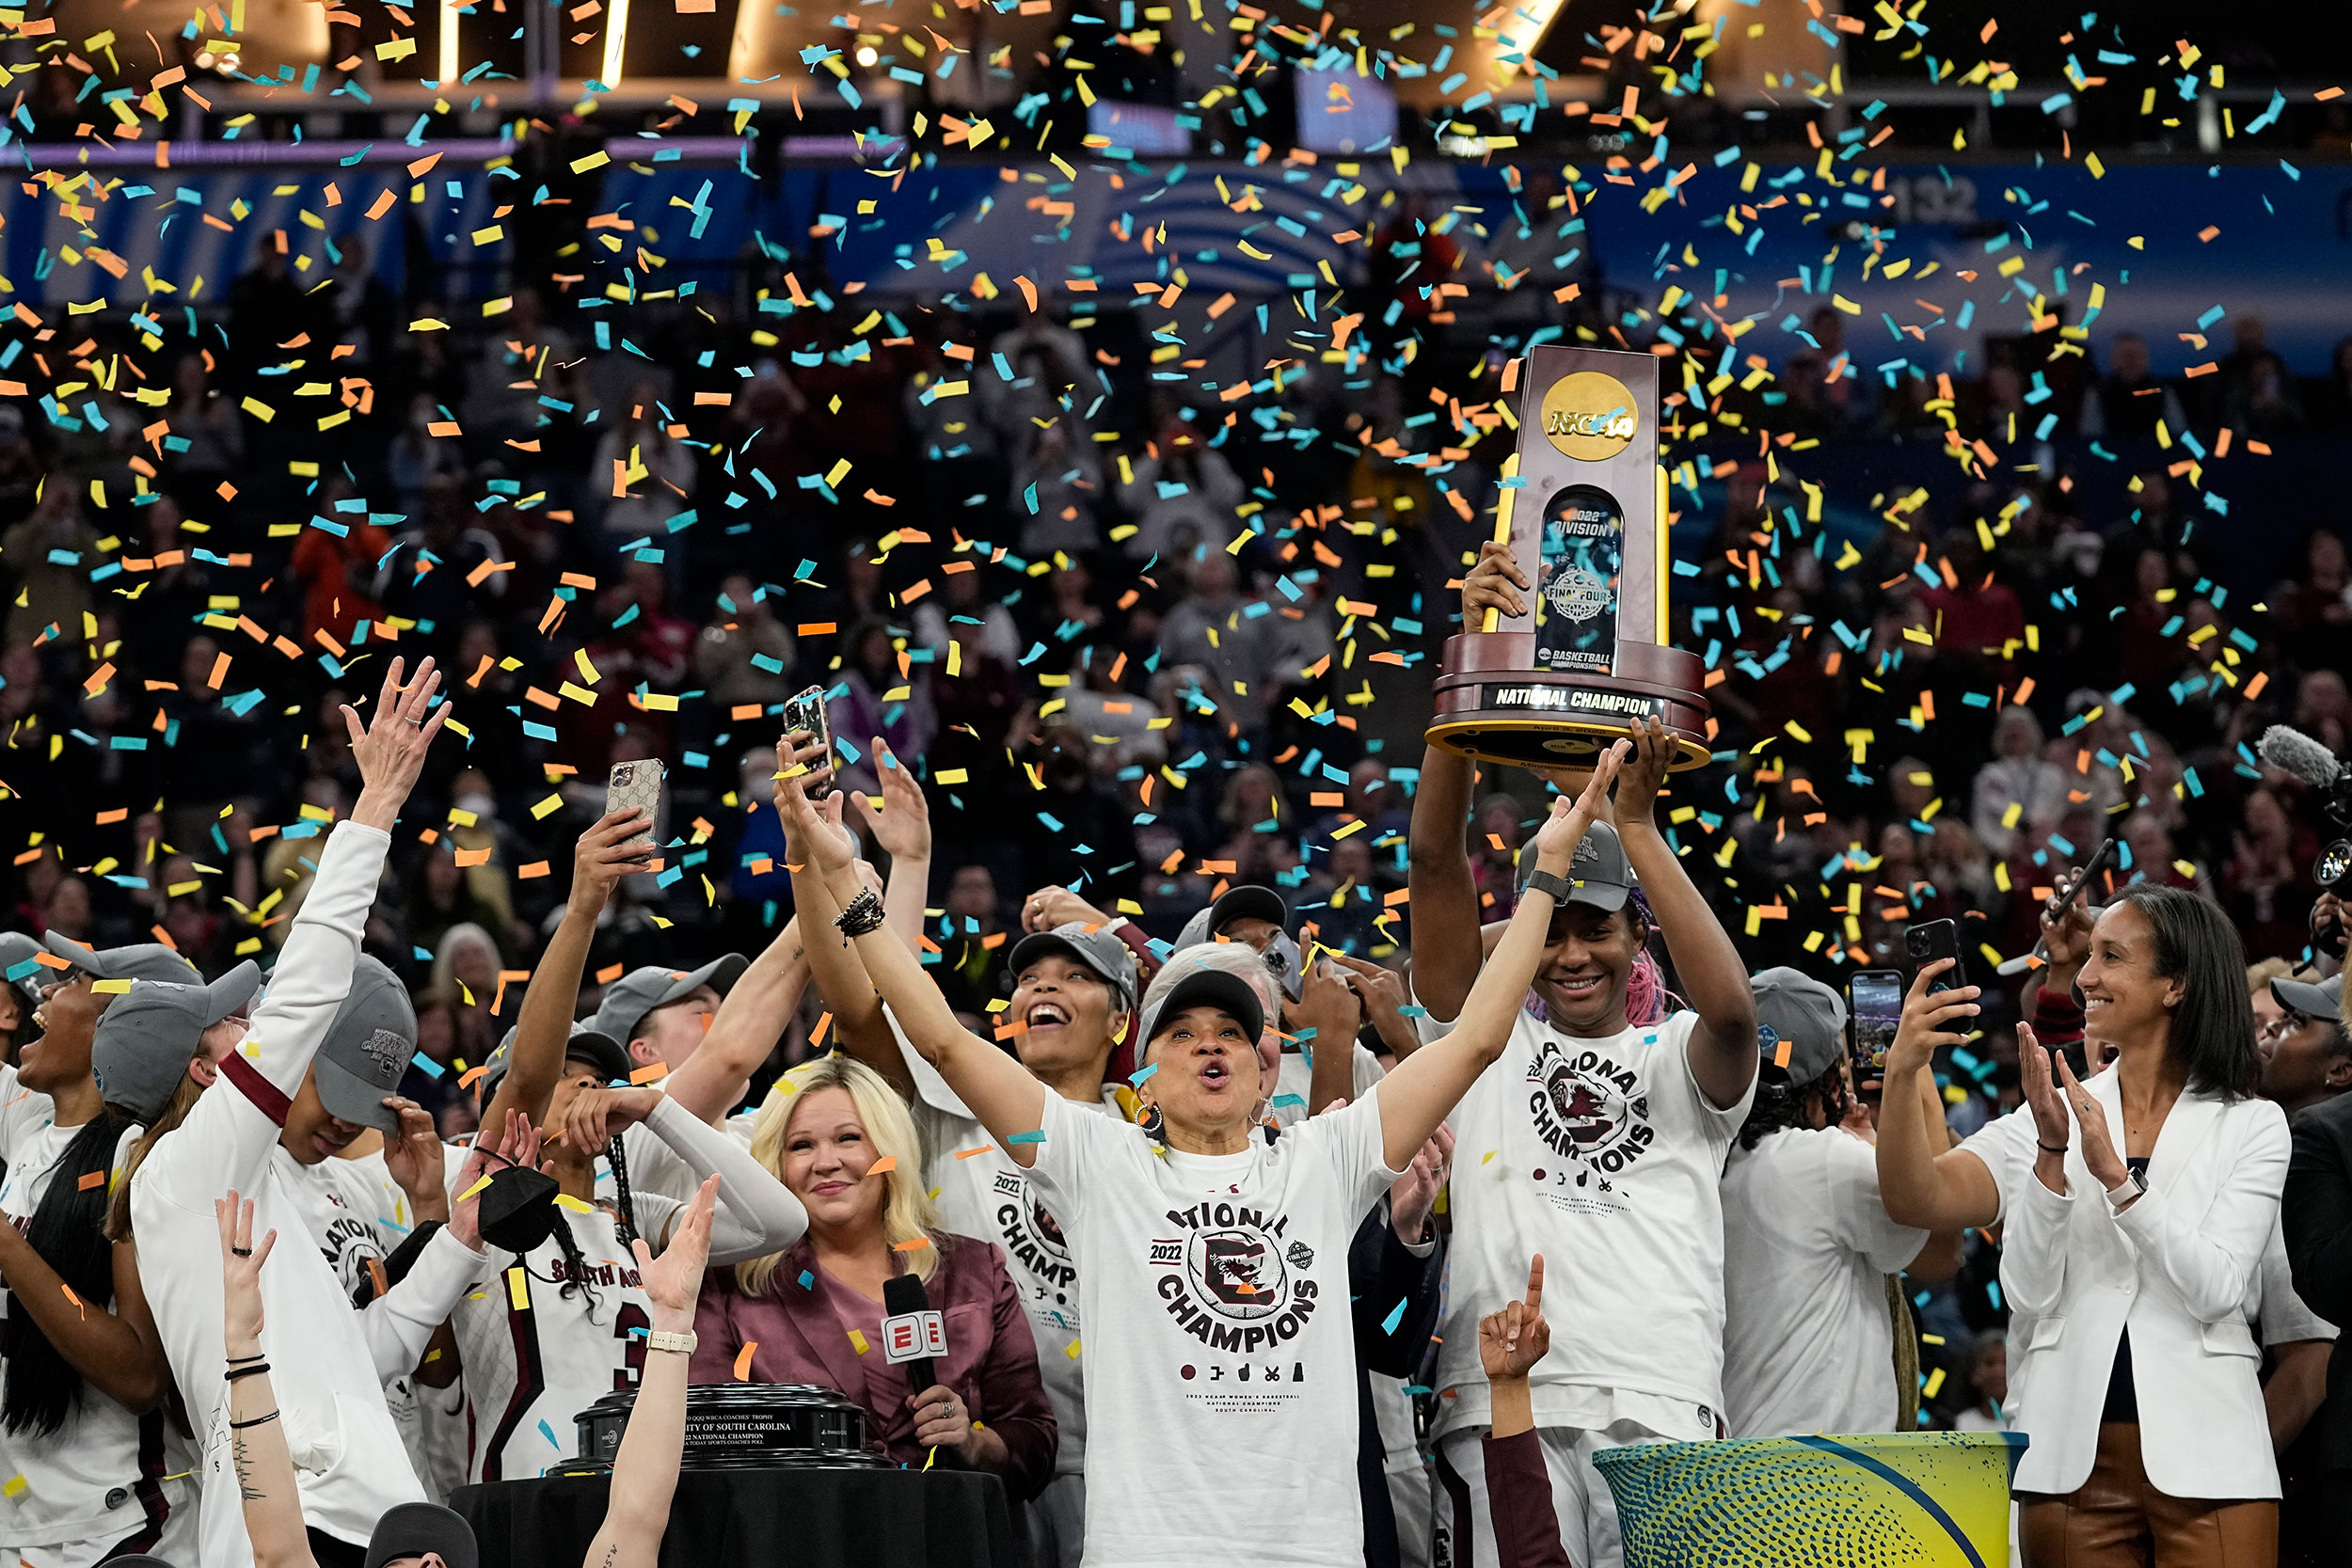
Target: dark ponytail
(68, 1231)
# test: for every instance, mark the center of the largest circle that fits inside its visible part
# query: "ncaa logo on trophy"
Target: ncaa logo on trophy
(1586, 521)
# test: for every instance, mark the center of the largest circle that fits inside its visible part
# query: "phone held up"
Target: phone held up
(637, 785)
(1937, 939)
(1874, 1010)
(805, 711)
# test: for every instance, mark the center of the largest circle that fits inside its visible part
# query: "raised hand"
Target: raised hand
(608, 851)
(2107, 1168)
(412, 1157)
(1412, 1196)
(518, 1145)
(240, 1274)
(1511, 1341)
(1928, 1019)
(2066, 926)
(807, 833)
(1557, 839)
(1055, 905)
(902, 823)
(1643, 776)
(595, 1114)
(673, 1281)
(800, 749)
(389, 748)
(1494, 583)
(2052, 1128)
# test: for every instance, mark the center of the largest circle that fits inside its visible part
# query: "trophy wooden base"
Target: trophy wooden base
(1491, 703)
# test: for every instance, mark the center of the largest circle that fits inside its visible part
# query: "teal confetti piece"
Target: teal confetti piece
(1036, 1137)
(1397, 1316)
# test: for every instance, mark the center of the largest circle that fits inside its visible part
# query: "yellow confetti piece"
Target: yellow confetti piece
(15, 1486)
(474, 1190)
(518, 1288)
(1071, 1351)
(578, 1206)
(857, 1341)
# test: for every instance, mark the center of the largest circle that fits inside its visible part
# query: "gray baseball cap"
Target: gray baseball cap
(2323, 1000)
(141, 960)
(1795, 1008)
(1099, 949)
(1599, 869)
(367, 1049)
(141, 1048)
(628, 999)
(17, 951)
(587, 1044)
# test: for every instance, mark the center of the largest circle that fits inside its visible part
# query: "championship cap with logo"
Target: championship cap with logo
(367, 1049)
(1600, 872)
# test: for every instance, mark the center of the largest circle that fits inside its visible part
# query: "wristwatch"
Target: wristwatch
(2123, 1191)
(663, 1339)
(1540, 880)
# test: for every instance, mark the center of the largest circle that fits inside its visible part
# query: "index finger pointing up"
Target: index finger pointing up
(1534, 1283)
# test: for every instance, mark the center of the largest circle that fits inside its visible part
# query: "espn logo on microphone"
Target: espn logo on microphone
(912, 1336)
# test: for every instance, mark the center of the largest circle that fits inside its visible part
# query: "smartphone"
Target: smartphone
(1932, 939)
(1874, 1010)
(805, 711)
(637, 785)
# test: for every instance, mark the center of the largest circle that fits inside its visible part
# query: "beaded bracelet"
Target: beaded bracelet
(863, 914)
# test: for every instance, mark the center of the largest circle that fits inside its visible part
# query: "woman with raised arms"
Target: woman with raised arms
(1211, 1257)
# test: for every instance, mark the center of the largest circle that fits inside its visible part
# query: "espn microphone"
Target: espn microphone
(912, 1332)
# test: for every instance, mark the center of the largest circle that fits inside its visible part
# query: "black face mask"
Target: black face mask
(517, 1212)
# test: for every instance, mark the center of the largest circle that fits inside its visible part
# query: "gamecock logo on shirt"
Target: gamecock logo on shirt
(1588, 1108)
(1229, 1281)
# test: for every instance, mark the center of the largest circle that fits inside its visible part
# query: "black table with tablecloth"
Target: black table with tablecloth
(801, 1516)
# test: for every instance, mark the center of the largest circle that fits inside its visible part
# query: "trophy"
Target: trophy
(1586, 521)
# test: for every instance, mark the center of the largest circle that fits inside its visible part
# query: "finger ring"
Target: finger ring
(242, 1251)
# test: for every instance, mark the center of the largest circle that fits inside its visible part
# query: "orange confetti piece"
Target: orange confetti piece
(90, 1178)
(743, 1361)
(650, 1071)
(883, 1166)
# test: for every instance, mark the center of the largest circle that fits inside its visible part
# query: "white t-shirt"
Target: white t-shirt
(338, 1202)
(1605, 1156)
(1808, 1343)
(98, 1476)
(1216, 1288)
(535, 1355)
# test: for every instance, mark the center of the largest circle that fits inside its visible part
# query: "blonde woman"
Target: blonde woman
(833, 1134)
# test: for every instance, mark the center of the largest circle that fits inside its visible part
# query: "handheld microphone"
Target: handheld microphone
(913, 1333)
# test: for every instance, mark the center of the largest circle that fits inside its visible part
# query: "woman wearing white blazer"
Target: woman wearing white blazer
(2154, 1190)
